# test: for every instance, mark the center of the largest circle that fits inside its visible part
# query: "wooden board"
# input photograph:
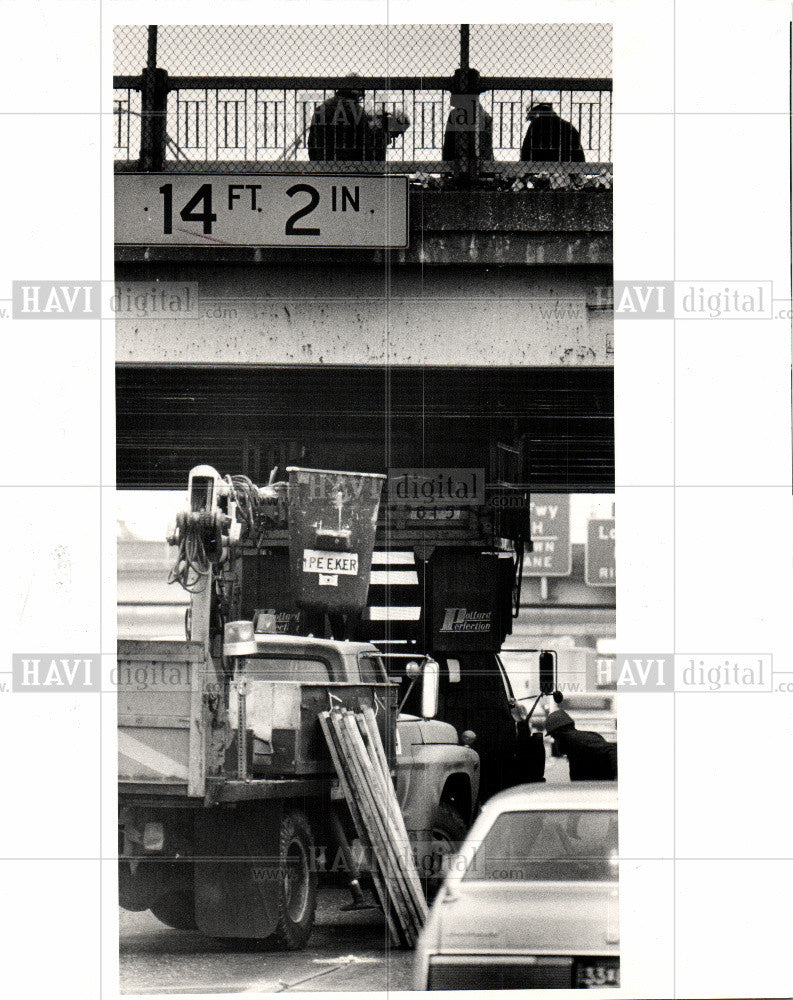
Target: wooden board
(359, 758)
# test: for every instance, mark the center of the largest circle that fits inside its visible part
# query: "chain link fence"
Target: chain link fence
(502, 104)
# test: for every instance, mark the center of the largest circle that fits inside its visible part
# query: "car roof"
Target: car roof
(575, 795)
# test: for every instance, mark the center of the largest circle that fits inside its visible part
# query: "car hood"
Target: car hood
(528, 917)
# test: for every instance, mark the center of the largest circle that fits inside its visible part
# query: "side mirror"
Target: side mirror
(429, 688)
(547, 672)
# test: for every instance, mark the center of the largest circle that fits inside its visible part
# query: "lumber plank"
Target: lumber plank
(336, 757)
(379, 809)
(377, 840)
(367, 722)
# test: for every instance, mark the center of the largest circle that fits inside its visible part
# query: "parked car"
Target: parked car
(531, 899)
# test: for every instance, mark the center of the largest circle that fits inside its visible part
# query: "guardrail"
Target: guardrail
(183, 123)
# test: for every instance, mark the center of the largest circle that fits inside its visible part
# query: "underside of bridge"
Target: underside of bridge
(249, 419)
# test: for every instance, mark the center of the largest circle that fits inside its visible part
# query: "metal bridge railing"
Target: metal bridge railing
(265, 123)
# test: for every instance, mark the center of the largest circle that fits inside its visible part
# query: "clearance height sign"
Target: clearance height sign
(551, 553)
(261, 210)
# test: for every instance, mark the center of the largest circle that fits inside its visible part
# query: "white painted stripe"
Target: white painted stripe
(395, 614)
(150, 758)
(394, 576)
(393, 559)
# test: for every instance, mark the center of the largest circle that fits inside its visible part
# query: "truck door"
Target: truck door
(474, 694)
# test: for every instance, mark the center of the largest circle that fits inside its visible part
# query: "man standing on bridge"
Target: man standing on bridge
(342, 129)
(467, 116)
(549, 138)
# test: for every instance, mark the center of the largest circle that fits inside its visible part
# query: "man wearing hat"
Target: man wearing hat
(342, 129)
(590, 756)
(467, 116)
(549, 138)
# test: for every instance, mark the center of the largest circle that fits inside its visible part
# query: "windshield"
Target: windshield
(558, 845)
(371, 669)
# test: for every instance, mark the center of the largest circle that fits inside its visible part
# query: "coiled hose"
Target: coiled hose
(193, 560)
(199, 537)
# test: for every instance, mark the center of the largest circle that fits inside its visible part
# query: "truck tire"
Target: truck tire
(135, 890)
(448, 833)
(176, 909)
(296, 885)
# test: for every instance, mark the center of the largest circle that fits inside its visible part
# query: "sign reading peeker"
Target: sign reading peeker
(330, 562)
(262, 210)
(551, 553)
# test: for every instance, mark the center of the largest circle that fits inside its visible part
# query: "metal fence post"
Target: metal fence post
(154, 100)
(465, 47)
(466, 162)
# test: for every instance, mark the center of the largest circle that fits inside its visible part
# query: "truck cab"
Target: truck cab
(431, 767)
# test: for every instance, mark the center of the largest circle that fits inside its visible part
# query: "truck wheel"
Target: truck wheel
(296, 885)
(135, 890)
(448, 832)
(176, 909)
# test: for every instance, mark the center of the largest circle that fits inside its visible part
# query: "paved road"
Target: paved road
(347, 951)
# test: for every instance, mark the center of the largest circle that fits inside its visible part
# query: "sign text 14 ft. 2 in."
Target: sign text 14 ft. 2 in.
(262, 210)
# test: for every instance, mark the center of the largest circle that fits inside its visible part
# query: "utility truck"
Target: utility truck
(230, 806)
